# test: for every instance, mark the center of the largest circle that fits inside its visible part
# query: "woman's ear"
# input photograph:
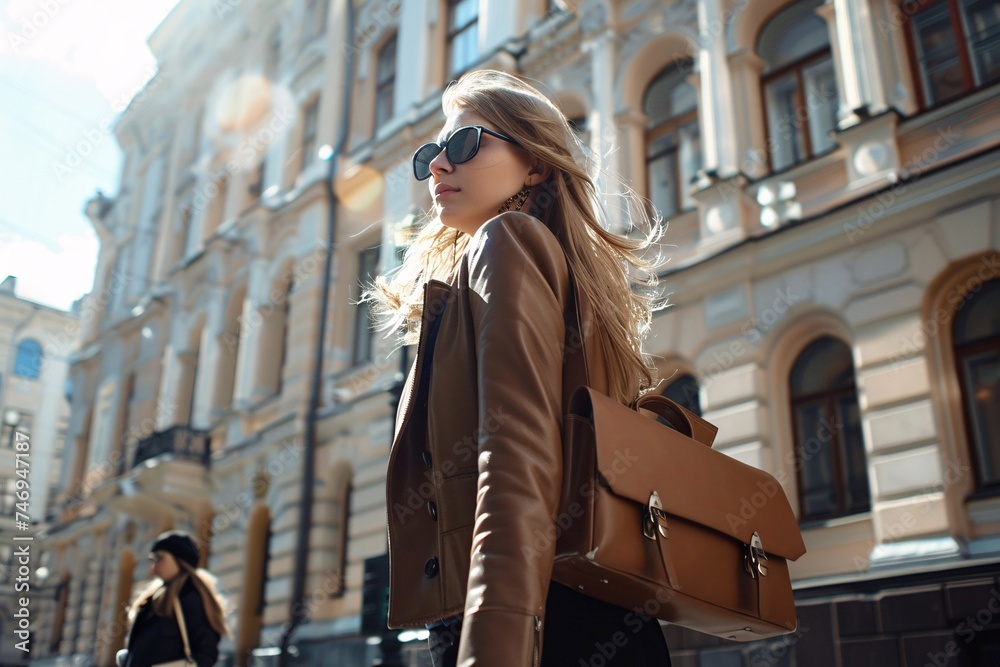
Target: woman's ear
(539, 173)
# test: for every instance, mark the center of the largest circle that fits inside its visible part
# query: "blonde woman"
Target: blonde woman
(475, 470)
(155, 636)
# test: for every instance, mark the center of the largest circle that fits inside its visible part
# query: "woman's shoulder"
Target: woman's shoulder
(189, 595)
(516, 237)
(514, 225)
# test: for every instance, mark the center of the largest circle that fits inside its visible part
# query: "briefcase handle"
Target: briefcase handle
(576, 374)
(680, 418)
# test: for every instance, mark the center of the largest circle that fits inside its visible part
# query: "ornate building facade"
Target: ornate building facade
(829, 171)
(35, 343)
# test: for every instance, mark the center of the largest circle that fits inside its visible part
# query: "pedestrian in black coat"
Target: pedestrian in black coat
(155, 635)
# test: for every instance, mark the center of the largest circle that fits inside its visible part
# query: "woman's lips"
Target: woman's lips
(443, 189)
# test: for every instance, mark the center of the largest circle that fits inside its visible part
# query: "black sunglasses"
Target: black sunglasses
(461, 146)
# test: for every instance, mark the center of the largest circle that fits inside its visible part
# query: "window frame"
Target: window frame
(37, 359)
(671, 126)
(797, 67)
(387, 85)
(310, 133)
(363, 356)
(960, 352)
(316, 15)
(829, 399)
(964, 58)
(452, 32)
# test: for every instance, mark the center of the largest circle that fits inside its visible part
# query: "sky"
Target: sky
(67, 69)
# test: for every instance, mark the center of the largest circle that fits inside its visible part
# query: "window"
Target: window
(7, 497)
(800, 87)
(28, 363)
(256, 185)
(315, 18)
(310, 118)
(367, 269)
(463, 34)
(956, 46)
(673, 142)
(684, 390)
(185, 218)
(272, 349)
(385, 82)
(7, 565)
(273, 62)
(147, 231)
(976, 331)
(22, 424)
(829, 448)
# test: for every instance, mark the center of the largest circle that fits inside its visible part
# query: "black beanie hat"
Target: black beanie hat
(179, 545)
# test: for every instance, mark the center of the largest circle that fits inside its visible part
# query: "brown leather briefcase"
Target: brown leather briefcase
(654, 520)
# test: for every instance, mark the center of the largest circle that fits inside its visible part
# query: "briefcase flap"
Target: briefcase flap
(637, 455)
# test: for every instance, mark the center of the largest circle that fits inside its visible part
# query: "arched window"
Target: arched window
(684, 390)
(799, 83)
(829, 447)
(28, 363)
(976, 332)
(673, 142)
(385, 83)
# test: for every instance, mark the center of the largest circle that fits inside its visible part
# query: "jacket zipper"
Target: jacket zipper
(538, 631)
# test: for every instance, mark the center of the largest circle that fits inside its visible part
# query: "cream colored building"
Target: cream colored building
(830, 174)
(35, 343)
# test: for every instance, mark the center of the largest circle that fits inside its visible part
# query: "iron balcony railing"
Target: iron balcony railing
(182, 442)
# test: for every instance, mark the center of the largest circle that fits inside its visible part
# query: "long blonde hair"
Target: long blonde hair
(162, 594)
(607, 267)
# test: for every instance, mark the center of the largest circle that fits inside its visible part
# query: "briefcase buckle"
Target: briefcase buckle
(654, 518)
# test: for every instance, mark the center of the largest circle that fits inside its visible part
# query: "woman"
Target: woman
(475, 470)
(155, 636)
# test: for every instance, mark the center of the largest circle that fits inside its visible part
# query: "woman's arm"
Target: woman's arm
(518, 282)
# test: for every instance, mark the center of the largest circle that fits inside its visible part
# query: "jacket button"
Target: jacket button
(432, 508)
(426, 456)
(431, 568)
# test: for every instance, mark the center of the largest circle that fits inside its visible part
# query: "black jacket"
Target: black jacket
(155, 639)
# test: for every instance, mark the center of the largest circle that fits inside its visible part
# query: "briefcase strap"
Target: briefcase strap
(576, 374)
(179, 614)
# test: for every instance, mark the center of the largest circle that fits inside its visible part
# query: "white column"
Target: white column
(604, 135)
(718, 130)
(855, 37)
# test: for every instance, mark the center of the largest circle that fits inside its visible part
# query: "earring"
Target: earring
(517, 200)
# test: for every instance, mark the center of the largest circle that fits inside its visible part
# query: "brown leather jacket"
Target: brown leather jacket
(475, 472)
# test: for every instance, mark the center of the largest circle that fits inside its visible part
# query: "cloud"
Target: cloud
(54, 273)
(102, 40)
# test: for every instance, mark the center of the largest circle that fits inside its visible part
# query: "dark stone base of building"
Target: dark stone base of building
(946, 618)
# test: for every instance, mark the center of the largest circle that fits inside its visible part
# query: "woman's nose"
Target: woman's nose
(440, 164)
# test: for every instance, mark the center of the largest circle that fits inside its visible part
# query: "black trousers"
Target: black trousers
(579, 632)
